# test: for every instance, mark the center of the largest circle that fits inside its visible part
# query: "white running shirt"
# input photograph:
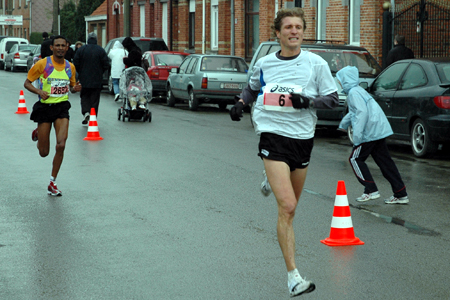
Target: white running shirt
(275, 78)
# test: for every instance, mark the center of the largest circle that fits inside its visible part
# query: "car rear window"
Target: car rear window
(149, 45)
(444, 72)
(9, 45)
(223, 64)
(169, 59)
(26, 47)
(338, 59)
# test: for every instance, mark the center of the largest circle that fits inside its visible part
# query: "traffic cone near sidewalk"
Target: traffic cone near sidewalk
(22, 109)
(342, 233)
(93, 134)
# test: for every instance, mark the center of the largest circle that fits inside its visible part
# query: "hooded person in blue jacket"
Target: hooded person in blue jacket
(370, 130)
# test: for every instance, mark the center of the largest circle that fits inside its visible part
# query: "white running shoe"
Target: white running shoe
(395, 200)
(266, 190)
(301, 287)
(367, 197)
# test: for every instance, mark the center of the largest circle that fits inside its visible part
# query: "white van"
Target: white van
(6, 44)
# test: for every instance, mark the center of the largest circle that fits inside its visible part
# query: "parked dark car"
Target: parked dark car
(415, 96)
(144, 43)
(160, 64)
(337, 55)
(207, 78)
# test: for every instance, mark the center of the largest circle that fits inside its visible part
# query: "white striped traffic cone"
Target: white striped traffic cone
(342, 233)
(93, 134)
(22, 109)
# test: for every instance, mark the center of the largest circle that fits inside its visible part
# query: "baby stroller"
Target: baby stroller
(135, 90)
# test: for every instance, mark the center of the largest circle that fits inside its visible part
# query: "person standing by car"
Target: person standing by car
(288, 85)
(57, 77)
(117, 55)
(46, 46)
(399, 52)
(90, 61)
(370, 130)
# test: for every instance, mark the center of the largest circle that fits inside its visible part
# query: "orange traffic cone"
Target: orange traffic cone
(92, 133)
(22, 109)
(341, 233)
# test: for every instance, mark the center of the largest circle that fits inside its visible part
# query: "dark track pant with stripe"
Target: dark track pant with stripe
(380, 154)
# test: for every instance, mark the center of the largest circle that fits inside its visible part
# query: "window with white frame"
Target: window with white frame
(355, 22)
(142, 20)
(164, 22)
(321, 33)
(191, 24)
(214, 25)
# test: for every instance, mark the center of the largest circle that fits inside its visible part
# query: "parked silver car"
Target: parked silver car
(207, 78)
(17, 57)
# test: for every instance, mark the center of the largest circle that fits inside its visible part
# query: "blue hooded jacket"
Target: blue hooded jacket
(365, 115)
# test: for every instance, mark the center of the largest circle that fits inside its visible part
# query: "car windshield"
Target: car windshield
(444, 72)
(169, 59)
(26, 47)
(149, 45)
(223, 64)
(338, 59)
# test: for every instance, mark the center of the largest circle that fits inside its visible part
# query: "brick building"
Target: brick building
(238, 26)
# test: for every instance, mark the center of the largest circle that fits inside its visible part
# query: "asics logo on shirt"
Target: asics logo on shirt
(282, 89)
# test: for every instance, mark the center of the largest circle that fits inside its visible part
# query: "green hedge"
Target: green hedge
(36, 37)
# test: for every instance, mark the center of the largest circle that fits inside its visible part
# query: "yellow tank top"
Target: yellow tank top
(56, 83)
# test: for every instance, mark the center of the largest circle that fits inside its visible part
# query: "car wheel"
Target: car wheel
(110, 86)
(222, 105)
(193, 101)
(421, 144)
(170, 97)
(350, 134)
(2, 65)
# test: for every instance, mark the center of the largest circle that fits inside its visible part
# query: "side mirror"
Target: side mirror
(174, 71)
(364, 85)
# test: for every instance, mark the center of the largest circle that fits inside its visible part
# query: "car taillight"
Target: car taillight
(204, 82)
(17, 56)
(442, 102)
(154, 73)
(2, 55)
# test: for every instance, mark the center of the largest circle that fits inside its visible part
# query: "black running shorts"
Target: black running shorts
(48, 113)
(295, 153)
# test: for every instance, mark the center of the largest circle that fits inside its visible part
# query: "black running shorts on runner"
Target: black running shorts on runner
(48, 113)
(295, 153)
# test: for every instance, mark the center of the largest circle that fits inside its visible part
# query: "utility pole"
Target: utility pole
(126, 18)
(55, 17)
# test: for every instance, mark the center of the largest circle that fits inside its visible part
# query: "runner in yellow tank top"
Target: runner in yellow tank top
(57, 78)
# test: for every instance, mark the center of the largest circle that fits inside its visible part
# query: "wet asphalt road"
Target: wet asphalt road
(171, 210)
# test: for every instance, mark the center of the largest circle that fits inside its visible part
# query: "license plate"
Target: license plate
(231, 86)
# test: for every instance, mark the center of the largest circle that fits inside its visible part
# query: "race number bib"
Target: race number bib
(59, 88)
(277, 97)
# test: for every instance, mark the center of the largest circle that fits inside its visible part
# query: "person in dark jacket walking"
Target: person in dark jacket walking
(45, 46)
(399, 52)
(134, 58)
(70, 54)
(90, 61)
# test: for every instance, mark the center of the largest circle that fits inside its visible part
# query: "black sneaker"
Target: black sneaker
(86, 119)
